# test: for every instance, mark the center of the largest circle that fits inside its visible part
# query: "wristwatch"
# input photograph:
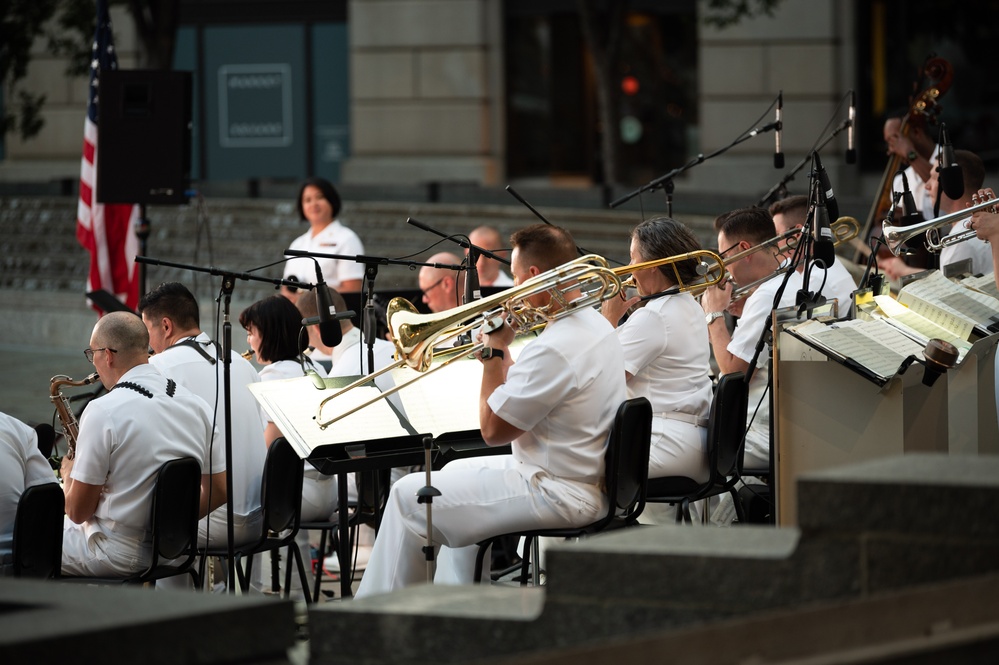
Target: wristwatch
(911, 156)
(489, 352)
(711, 316)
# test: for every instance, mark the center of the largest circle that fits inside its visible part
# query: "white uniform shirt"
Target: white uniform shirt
(21, 466)
(839, 284)
(666, 350)
(755, 316)
(502, 280)
(190, 369)
(334, 239)
(975, 249)
(125, 437)
(290, 369)
(923, 201)
(564, 391)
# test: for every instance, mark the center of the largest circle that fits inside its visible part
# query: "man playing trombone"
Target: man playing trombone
(556, 405)
(739, 231)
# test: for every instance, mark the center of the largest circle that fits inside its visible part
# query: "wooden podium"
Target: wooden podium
(828, 414)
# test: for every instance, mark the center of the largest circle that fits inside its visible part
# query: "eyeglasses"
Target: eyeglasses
(89, 353)
(432, 286)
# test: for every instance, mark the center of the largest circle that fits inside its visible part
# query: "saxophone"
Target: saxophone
(70, 426)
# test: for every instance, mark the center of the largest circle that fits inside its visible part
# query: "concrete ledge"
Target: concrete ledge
(49, 622)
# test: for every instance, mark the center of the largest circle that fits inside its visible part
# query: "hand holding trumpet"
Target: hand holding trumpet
(985, 223)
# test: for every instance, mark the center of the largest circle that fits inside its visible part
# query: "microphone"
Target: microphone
(472, 291)
(827, 190)
(910, 213)
(951, 179)
(329, 325)
(823, 243)
(851, 152)
(779, 125)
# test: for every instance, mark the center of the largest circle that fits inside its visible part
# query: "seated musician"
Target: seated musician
(740, 230)
(189, 356)
(835, 281)
(125, 437)
(441, 288)
(22, 465)
(973, 173)
(985, 224)
(489, 270)
(666, 350)
(917, 149)
(556, 405)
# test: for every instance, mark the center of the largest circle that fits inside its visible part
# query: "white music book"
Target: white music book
(293, 404)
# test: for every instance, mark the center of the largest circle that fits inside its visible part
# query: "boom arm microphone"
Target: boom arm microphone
(329, 325)
(951, 178)
(779, 125)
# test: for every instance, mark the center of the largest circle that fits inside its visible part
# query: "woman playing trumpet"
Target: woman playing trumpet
(666, 352)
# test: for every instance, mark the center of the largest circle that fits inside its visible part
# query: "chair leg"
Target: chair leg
(294, 552)
(685, 507)
(479, 558)
(525, 565)
(244, 575)
(318, 568)
(536, 555)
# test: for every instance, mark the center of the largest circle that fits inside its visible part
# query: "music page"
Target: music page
(984, 284)
(922, 329)
(947, 304)
(868, 343)
(293, 404)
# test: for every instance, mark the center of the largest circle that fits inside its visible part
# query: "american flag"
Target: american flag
(106, 231)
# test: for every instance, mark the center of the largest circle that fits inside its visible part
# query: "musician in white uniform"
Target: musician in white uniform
(125, 437)
(740, 230)
(666, 351)
(489, 271)
(274, 333)
(834, 282)
(556, 405)
(186, 354)
(21, 467)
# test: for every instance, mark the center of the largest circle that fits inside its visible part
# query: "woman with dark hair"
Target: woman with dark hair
(274, 333)
(666, 351)
(319, 204)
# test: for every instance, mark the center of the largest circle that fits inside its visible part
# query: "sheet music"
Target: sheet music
(446, 400)
(292, 404)
(935, 293)
(985, 284)
(919, 327)
(869, 343)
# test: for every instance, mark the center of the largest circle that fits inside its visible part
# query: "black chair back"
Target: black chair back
(38, 532)
(281, 487)
(727, 425)
(176, 500)
(628, 457)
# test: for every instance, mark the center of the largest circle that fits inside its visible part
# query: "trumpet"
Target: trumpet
(415, 335)
(896, 236)
(247, 355)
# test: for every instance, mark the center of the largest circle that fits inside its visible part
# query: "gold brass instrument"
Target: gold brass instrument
(710, 275)
(70, 426)
(247, 355)
(896, 236)
(415, 335)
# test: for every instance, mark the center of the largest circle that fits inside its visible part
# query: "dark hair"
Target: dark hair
(279, 326)
(972, 169)
(661, 237)
(754, 225)
(172, 300)
(544, 245)
(795, 207)
(329, 193)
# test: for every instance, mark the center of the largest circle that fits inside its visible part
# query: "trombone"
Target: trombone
(415, 335)
(584, 282)
(844, 229)
(896, 236)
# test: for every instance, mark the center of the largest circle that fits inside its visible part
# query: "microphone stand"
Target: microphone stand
(579, 250)
(782, 185)
(228, 285)
(458, 240)
(699, 159)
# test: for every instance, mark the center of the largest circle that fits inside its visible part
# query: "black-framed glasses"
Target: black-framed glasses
(89, 353)
(432, 286)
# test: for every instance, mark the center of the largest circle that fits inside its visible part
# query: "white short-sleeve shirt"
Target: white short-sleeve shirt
(21, 466)
(334, 239)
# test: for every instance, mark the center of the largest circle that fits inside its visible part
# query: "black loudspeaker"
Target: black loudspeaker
(144, 137)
